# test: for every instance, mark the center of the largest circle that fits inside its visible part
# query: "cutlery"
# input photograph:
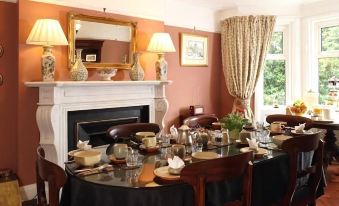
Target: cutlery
(92, 169)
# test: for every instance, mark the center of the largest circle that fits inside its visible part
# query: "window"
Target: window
(328, 57)
(274, 80)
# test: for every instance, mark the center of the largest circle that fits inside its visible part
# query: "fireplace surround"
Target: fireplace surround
(59, 98)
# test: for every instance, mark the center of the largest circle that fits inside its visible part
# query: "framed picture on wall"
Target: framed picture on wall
(193, 50)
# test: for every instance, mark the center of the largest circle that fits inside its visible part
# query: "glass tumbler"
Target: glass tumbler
(132, 158)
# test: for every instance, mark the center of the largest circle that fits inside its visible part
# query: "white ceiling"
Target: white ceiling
(227, 4)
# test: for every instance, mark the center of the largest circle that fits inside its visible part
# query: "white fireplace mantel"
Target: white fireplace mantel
(57, 98)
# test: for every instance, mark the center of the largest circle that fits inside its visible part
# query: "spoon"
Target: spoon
(90, 169)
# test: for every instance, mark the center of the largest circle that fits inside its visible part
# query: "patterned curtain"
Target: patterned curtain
(244, 43)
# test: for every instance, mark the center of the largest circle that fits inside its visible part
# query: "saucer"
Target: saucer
(163, 173)
(303, 132)
(115, 160)
(149, 149)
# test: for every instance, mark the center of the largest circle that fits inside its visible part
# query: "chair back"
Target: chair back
(226, 168)
(204, 120)
(51, 173)
(295, 146)
(126, 130)
(291, 120)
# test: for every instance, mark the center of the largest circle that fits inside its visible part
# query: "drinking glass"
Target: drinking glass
(132, 158)
(198, 147)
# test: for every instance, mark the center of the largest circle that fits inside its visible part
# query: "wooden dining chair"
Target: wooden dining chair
(291, 120)
(204, 120)
(127, 130)
(226, 168)
(53, 174)
(294, 147)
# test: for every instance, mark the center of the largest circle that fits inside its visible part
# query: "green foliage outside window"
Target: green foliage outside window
(274, 82)
(276, 46)
(328, 67)
(330, 38)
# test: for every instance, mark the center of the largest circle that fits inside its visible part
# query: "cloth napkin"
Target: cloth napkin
(300, 128)
(83, 145)
(253, 144)
(174, 132)
(175, 163)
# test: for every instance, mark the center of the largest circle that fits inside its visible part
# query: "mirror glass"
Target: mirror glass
(105, 42)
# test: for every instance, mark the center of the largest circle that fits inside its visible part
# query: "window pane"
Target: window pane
(330, 38)
(276, 43)
(274, 82)
(328, 67)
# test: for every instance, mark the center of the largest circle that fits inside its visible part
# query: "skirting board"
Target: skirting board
(28, 192)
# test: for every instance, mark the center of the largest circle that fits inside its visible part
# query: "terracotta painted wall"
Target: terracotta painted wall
(8, 91)
(193, 85)
(200, 85)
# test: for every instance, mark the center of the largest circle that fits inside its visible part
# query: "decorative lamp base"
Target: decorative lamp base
(47, 64)
(161, 67)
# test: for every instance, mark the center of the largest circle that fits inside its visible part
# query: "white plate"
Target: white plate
(162, 172)
(205, 155)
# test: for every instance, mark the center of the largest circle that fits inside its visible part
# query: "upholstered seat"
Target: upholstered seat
(204, 120)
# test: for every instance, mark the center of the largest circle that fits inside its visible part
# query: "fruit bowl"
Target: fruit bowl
(298, 108)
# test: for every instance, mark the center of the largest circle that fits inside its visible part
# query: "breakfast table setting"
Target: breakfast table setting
(146, 169)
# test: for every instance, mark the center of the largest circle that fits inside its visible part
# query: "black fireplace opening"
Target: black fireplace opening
(92, 124)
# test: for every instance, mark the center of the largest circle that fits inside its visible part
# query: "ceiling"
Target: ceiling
(227, 4)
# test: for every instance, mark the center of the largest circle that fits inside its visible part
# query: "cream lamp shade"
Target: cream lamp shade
(48, 33)
(161, 43)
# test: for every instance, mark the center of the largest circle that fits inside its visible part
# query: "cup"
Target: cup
(198, 147)
(149, 141)
(179, 150)
(132, 158)
(327, 113)
(120, 150)
(275, 127)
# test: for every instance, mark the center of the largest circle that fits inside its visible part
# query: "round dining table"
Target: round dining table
(140, 186)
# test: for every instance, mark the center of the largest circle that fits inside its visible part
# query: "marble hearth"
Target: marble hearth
(58, 98)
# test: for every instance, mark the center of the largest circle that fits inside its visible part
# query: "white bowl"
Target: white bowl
(106, 73)
(87, 157)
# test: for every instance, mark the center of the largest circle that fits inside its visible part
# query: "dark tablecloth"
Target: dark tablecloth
(270, 177)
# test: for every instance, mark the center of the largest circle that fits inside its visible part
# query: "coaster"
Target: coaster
(116, 161)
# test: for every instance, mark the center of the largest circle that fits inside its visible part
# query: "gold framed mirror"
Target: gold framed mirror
(105, 42)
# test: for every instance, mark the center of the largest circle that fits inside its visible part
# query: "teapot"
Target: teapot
(184, 136)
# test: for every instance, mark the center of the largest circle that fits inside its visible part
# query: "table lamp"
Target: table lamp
(161, 43)
(47, 33)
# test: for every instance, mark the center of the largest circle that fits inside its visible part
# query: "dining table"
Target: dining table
(140, 186)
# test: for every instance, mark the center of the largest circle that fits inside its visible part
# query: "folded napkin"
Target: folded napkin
(253, 144)
(300, 128)
(175, 163)
(83, 145)
(174, 132)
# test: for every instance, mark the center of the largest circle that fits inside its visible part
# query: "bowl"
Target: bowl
(175, 171)
(141, 135)
(279, 139)
(106, 73)
(87, 157)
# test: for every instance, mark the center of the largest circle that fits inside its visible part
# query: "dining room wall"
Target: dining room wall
(8, 90)
(191, 85)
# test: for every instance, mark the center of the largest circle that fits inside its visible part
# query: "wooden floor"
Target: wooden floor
(331, 196)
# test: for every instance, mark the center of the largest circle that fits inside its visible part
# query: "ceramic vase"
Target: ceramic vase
(79, 71)
(136, 72)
